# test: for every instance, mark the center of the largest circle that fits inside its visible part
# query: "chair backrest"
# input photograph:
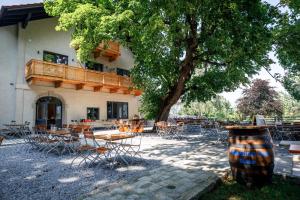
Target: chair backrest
(85, 127)
(71, 126)
(1, 139)
(41, 127)
(162, 124)
(76, 130)
(88, 134)
(137, 126)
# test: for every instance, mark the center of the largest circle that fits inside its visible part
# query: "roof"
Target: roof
(13, 14)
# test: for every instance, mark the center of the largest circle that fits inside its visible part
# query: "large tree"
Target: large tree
(188, 49)
(260, 99)
(287, 45)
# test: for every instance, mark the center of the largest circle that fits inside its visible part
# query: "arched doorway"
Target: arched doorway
(49, 111)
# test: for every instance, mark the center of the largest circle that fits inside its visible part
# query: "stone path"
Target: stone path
(296, 166)
(188, 169)
(163, 183)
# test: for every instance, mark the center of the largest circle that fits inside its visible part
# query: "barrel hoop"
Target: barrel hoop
(264, 171)
(264, 137)
(255, 142)
(261, 166)
(249, 153)
(251, 146)
(255, 150)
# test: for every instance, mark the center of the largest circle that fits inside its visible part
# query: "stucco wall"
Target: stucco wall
(8, 68)
(75, 103)
(18, 46)
(40, 35)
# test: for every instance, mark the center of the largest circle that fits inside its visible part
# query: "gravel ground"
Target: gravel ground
(28, 175)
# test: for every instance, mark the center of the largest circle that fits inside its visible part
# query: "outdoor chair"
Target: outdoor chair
(68, 143)
(219, 133)
(42, 141)
(286, 132)
(90, 151)
(132, 146)
(1, 139)
(161, 128)
(5, 133)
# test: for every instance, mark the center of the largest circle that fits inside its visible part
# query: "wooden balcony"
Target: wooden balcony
(112, 50)
(80, 78)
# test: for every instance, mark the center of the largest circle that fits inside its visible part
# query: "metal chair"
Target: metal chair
(90, 151)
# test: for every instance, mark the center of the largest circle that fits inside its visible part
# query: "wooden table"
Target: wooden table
(294, 149)
(58, 132)
(15, 128)
(63, 141)
(113, 137)
(118, 148)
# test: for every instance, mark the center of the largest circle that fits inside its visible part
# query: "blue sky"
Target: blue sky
(231, 96)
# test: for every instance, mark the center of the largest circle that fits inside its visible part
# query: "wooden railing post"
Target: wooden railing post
(57, 72)
(65, 72)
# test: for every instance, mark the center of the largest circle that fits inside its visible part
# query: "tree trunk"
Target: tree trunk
(186, 69)
(174, 95)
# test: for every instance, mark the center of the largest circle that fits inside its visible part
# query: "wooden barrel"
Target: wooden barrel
(251, 155)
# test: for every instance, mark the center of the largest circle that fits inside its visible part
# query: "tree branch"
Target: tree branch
(276, 79)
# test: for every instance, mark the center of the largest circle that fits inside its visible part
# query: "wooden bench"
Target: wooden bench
(294, 149)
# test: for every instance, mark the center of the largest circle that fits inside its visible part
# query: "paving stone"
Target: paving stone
(189, 173)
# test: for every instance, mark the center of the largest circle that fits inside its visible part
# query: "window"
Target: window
(92, 113)
(94, 66)
(122, 72)
(117, 110)
(55, 57)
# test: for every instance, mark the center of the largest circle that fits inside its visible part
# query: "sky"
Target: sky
(231, 96)
(17, 2)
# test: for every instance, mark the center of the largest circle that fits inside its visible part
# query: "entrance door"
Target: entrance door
(49, 112)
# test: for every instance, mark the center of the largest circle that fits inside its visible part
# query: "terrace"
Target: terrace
(183, 165)
(60, 75)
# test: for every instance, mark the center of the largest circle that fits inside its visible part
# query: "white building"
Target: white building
(41, 80)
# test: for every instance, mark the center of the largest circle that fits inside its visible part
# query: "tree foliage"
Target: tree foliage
(287, 45)
(188, 49)
(217, 108)
(261, 99)
(291, 107)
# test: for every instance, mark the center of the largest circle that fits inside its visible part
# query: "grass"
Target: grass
(285, 189)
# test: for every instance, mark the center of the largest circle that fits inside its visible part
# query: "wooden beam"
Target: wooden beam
(97, 88)
(79, 86)
(31, 81)
(26, 20)
(58, 84)
(112, 58)
(96, 54)
(126, 92)
(113, 90)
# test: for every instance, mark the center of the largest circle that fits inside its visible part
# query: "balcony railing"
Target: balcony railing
(59, 74)
(112, 50)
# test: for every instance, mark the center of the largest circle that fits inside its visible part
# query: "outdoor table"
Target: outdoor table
(294, 149)
(116, 143)
(15, 128)
(58, 132)
(63, 138)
